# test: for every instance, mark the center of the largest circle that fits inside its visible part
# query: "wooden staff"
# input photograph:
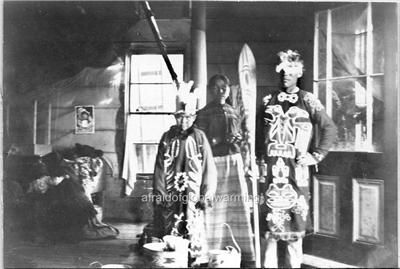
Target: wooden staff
(160, 43)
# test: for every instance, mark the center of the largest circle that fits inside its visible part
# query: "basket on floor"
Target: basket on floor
(159, 257)
(229, 257)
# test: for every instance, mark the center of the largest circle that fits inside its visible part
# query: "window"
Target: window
(348, 73)
(151, 104)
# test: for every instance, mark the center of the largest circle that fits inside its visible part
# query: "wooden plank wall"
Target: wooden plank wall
(266, 37)
(175, 34)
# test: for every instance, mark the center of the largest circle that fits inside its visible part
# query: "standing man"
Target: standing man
(293, 133)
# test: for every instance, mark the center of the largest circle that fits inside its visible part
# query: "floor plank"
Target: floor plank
(24, 254)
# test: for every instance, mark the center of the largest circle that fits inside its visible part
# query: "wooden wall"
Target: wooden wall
(225, 37)
(266, 35)
(391, 136)
(98, 87)
(265, 32)
(139, 38)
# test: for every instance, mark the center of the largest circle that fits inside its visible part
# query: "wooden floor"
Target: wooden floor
(20, 253)
(24, 254)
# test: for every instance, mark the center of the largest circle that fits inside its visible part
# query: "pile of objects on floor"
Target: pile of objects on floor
(55, 194)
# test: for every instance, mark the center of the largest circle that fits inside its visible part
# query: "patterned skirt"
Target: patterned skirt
(231, 205)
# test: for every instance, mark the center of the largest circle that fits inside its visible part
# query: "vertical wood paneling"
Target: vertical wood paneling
(225, 38)
(326, 206)
(368, 214)
(2, 135)
(391, 145)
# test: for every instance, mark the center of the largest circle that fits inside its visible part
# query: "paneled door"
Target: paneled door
(354, 190)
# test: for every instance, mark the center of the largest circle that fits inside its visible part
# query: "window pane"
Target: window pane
(146, 157)
(378, 20)
(349, 113)
(151, 68)
(149, 128)
(322, 92)
(156, 97)
(322, 44)
(349, 26)
(377, 123)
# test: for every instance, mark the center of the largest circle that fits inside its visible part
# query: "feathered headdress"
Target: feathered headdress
(290, 61)
(186, 99)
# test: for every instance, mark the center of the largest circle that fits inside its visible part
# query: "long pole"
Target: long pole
(160, 43)
(199, 51)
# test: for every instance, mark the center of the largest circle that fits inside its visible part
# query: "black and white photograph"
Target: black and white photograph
(200, 134)
(84, 120)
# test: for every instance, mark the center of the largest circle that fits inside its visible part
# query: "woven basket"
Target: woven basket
(229, 257)
(159, 258)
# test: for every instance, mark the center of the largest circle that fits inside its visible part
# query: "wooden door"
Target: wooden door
(355, 190)
(348, 209)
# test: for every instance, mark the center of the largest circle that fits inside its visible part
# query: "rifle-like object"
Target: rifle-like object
(160, 43)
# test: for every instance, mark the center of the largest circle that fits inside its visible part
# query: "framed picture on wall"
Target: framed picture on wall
(84, 120)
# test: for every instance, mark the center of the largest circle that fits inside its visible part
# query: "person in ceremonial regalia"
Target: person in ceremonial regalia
(184, 178)
(226, 131)
(293, 133)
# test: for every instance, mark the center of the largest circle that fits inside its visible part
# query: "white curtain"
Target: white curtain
(129, 167)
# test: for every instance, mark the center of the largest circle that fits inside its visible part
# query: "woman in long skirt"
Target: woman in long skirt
(223, 126)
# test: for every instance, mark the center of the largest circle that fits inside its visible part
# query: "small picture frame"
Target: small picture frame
(84, 120)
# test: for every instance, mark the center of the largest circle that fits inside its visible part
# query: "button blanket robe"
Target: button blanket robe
(184, 177)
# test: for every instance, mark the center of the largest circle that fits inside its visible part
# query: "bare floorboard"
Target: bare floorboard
(25, 254)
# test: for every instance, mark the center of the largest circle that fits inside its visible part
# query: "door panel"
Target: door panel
(348, 193)
(368, 213)
(326, 206)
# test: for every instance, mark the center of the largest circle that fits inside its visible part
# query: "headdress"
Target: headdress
(290, 60)
(186, 99)
(82, 110)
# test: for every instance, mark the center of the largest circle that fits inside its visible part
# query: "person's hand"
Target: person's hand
(200, 205)
(205, 202)
(209, 202)
(249, 174)
(307, 159)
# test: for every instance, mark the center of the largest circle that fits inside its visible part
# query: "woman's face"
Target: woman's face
(220, 90)
(84, 116)
(185, 121)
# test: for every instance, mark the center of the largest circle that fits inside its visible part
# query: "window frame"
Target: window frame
(149, 48)
(329, 78)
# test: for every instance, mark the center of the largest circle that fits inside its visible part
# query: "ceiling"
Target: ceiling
(45, 41)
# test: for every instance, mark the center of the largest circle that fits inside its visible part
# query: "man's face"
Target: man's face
(290, 73)
(185, 121)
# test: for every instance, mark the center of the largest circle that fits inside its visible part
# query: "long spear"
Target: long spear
(160, 43)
